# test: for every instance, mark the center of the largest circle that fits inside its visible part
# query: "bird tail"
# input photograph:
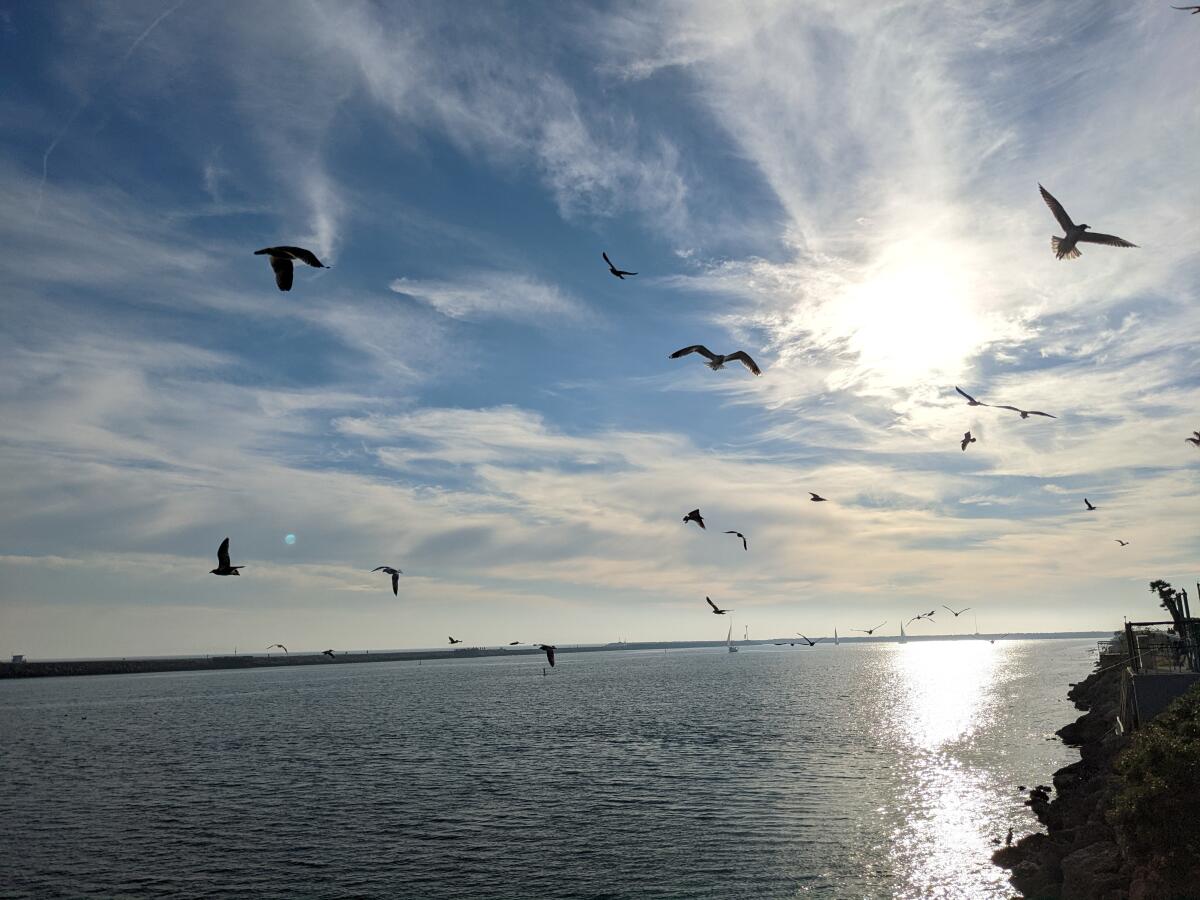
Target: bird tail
(715, 364)
(1073, 253)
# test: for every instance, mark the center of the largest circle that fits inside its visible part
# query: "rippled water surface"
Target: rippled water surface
(876, 770)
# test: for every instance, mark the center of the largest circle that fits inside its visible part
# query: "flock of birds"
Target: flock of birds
(284, 258)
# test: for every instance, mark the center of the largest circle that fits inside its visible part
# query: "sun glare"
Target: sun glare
(914, 315)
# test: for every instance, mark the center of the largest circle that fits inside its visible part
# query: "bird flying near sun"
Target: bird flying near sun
(966, 439)
(223, 566)
(717, 360)
(971, 401)
(1064, 247)
(816, 498)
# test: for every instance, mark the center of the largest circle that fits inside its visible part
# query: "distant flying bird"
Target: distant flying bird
(223, 566)
(1088, 504)
(971, 401)
(694, 516)
(717, 611)
(395, 573)
(817, 498)
(1026, 413)
(513, 643)
(328, 653)
(281, 263)
(1194, 441)
(870, 630)
(1192, 9)
(1064, 247)
(967, 439)
(280, 646)
(1121, 542)
(549, 648)
(619, 273)
(809, 642)
(956, 614)
(453, 642)
(717, 360)
(745, 546)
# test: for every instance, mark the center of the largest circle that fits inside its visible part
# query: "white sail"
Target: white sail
(835, 638)
(903, 636)
(729, 639)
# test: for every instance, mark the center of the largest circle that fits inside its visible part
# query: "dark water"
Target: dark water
(858, 771)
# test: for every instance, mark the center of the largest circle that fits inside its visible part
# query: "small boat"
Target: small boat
(836, 642)
(729, 640)
(903, 636)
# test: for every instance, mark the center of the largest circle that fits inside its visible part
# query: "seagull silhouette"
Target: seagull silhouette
(1121, 542)
(967, 439)
(395, 573)
(328, 653)
(619, 273)
(549, 650)
(281, 263)
(1064, 247)
(1088, 504)
(453, 642)
(716, 360)
(513, 643)
(956, 614)
(280, 646)
(817, 498)
(869, 630)
(1192, 9)
(745, 546)
(717, 611)
(223, 566)
(694, 516)
(971, 401)
(811, 643)
(1026, 413)
(1194, 441)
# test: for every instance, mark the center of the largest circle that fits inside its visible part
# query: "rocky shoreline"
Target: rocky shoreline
(1079, 858)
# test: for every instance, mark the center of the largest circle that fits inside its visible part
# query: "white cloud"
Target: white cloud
(494, 295)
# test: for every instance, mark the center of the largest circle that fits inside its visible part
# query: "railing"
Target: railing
(1158, 647)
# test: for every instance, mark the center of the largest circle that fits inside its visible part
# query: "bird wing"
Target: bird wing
(744, 358)
(1006, 406)
(396, 584)
(282, 266)
(710, 603)
(880, 625)
(549, 654)
(623, 272)
(305, 256)
(223, 555)
(1034, 412)
(968, 396)
(695, 348)
(1055, 207)
(607, 260)
(1095, 237)
(379, 569)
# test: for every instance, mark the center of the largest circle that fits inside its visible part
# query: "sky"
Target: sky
(848, 192)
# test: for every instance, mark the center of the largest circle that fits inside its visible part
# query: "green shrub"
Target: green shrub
(1156, 810)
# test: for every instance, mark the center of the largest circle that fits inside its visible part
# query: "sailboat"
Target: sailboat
(836, 642)
(729, 640)
(903, 636)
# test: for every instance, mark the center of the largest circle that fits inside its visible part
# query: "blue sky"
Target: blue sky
(848, 193)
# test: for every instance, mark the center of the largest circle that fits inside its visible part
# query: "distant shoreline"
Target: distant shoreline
(138, 665)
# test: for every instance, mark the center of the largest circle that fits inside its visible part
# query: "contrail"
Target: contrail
(82, 106)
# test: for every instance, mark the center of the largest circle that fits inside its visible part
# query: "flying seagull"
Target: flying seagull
(1192, 9)
(453, 642)
(694, 516)
(717, 360)
(223, 566)
(1194, 441)
(717, 611)
(1064, 247)
(395, 573)
(549, 648)
(811, 643)
(280, 646)
(619, 273)
(745, 546)
(1121, 542)
(1088, 504)
(328, 653)
(956, 614)
(967, 439)
(971, 401)
(1026, 413)
(281, 263)
(513, 643)
(816, 498)
(869, 630)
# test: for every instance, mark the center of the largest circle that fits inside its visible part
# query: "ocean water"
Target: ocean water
(877, 770)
